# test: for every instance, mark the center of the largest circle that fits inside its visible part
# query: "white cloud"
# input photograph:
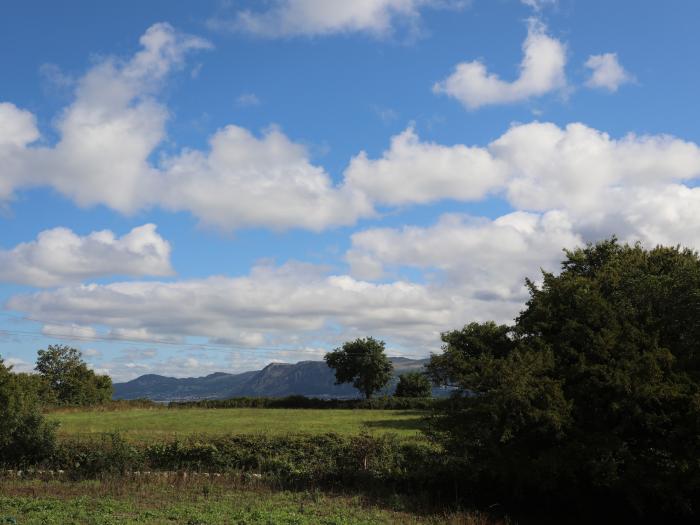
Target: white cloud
(575, 167)
(542, 71)
(597, 180)
(73, 331)
(17, 127)
(478, 258)
(247, 181)
(538, 5)
(323, 17)
(59, 256)
(109, 133)
(478, 268)
(247, 100)
(18, 364)
(607, 72)
(412, 171)
(289, 305)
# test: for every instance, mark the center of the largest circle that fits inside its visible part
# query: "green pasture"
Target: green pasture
(144, 424)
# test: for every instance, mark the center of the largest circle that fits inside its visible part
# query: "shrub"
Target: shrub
(24, 434)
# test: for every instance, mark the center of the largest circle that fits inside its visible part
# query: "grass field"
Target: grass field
(150, 424)
(127, 501)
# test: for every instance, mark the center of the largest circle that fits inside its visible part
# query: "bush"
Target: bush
(24, 434)
(365, 462)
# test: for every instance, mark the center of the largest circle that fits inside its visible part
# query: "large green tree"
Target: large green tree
(595, 390)
(24, 434)
(413, 384)
(363, 363)
(69, 378)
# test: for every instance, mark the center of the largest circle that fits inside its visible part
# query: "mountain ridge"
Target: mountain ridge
(308, 378)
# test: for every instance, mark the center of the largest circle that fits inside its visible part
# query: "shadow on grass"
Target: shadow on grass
(394, 424)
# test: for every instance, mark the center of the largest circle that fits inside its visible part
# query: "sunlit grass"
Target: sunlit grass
(153, 424)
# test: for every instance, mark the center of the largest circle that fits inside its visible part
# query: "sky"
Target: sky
(192, 187)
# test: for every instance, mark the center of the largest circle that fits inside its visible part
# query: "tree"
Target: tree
(595, 390)
(413, 384)
(363, 363)
(69, 378)
(24, 434)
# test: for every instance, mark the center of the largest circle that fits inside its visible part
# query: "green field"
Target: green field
(151, 424)
(128, 501)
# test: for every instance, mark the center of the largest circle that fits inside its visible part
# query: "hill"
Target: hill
(308, 378)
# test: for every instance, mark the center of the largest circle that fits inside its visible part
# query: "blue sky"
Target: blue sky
(210, 186)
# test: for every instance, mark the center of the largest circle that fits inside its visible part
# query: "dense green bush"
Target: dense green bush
(593, 395)
(294, 461)
(379, 403)
(24, 434)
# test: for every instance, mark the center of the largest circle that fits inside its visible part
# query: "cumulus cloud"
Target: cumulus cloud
(288, 305)
(599, 181)
(542, 71)
(477, 265)
(323, 17)
(411, 171)
(246, 181)
(479, 258)
(607, 72)
(59, 256)
(576, 167)
(109, 133)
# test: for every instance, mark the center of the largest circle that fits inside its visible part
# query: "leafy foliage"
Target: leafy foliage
(594, 392)
(363, 363)
(413, 384)
(70, 381)
(24, 435)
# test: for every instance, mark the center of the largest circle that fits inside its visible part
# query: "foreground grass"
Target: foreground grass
(149, 424)
(130, 501)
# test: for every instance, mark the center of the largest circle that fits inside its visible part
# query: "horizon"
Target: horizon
(192, 189)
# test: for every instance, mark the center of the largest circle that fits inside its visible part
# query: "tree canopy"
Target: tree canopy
(595, 389)
(363, 363)
(413, 384)
(70, 380)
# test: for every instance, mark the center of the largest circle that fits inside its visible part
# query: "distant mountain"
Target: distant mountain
(308, 378)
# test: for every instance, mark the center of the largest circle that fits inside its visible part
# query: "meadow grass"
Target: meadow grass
(143, 424)
(129, 501)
